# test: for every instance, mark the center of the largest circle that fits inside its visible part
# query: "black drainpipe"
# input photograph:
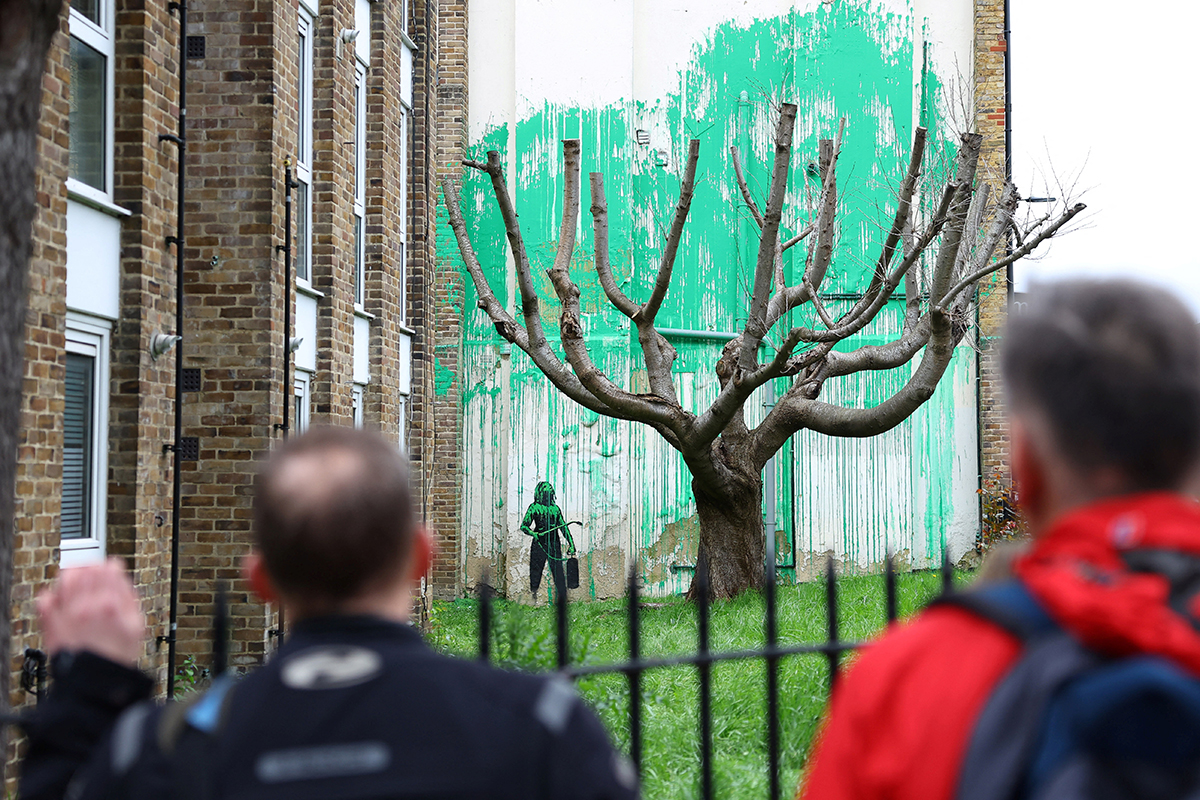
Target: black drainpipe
(286, 248)
(180, 140)
(1008, 129)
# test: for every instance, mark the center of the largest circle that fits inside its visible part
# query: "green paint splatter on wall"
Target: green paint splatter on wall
(845, 59)
(443, 377)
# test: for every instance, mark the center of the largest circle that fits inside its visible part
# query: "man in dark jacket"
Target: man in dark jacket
(1102, 383)
(353, 704)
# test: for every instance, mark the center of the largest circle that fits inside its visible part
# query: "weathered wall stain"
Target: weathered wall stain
(907, 491)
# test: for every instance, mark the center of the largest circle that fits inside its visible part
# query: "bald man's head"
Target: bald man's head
(333, 515)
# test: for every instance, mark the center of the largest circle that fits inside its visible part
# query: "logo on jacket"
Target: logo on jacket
(330, 667)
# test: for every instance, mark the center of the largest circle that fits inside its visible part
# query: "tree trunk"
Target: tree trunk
(732, 541)
(26, 27)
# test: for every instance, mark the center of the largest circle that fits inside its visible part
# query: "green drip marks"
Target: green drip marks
(841, 60)
(856, 60)
(443, 377)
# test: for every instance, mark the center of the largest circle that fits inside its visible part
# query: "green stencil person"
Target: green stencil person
(544, 522)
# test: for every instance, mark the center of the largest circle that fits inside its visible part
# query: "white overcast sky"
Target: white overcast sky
(1106, 92)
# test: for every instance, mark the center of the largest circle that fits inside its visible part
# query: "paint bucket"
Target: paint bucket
(572, 573)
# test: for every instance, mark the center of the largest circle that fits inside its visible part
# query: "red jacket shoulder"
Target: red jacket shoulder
(902, 713)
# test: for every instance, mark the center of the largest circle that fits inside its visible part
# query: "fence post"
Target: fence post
(831, 610)
(561, 611)
(635, 676)
(704, 666)
(772, 684)
(947, 571)
(485, 620)
(889, 582)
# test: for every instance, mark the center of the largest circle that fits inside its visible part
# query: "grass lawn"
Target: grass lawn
(524, 639)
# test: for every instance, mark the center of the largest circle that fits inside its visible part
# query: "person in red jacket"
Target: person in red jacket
(1102, 382)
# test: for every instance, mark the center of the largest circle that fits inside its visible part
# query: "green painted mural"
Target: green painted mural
(857, 499)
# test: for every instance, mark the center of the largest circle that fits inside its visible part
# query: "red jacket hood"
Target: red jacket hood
(1077, 572)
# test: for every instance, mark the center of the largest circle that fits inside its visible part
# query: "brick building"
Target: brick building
(338, 94)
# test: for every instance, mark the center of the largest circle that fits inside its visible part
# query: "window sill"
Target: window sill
(359, 311)
(405, 329)
(407, 41)
(82, 193)
(304, 288)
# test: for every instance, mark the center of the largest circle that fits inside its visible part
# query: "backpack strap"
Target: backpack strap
(1180, 569)
(1007, 731)
(1008, 605)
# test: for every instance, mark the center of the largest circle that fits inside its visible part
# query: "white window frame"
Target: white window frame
(302, 391)
(405, 408)
(304, 135)
(402, 251)
(91, 336)
(357, 394)
(360, 183)
(101, 39)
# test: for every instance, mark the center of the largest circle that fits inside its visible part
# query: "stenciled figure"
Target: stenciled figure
(544, 522)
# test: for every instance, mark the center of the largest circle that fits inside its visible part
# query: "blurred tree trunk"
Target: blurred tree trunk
(26, 29)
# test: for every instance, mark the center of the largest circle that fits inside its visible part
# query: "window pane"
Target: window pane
(77, 448)
(301, 247)
(88, 77)
(403, 409)
(302, 99)
(358, 260)
(88, 8)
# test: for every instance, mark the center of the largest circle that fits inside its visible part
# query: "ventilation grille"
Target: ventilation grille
(189, 448)
(195, 47)
(192, 379)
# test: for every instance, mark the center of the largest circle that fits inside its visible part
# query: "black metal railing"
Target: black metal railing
(704, 658)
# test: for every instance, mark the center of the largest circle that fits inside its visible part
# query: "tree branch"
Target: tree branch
(796, 411)
(662, 282)
(968, 163)
(530, 309)
(506, 326)
(570, 324)
(853, 322)
(756, 327)
(966, 251)
(1016, 255)
(600, 236)
(900, 224)
(741, 182)
(791, 297)
(797, 239)
(541, 354)
(826, 224)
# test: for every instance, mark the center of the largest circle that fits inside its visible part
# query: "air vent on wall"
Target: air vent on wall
(189, 448)
(195, 47)
(192, 379)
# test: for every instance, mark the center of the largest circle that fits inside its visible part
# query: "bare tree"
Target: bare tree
(26, 28)
(725, 456)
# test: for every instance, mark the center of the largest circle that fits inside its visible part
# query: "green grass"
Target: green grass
(523, 638)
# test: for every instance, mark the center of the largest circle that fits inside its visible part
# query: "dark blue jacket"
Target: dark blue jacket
(350, 707)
